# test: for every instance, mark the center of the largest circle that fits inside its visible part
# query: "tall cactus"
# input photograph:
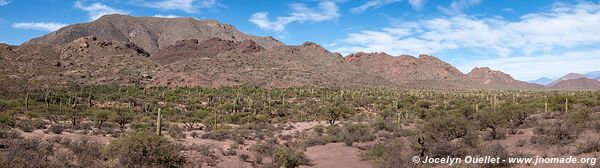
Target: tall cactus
(545, 106)
(566, 105)
(26, 102)
(158, 124)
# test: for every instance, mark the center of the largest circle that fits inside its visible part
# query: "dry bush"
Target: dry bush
(87, 152)
(590, 145)
(556, 133)
(496, 150)
(175, 132)
(57, 128)
(31, 125)
(356, 133)
(10, 134)
(26, 153)
(207, 154)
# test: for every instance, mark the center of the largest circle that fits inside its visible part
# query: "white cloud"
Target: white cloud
(457, 6)
(417, 4)
(532, 38)
(189, 6)
(44, 26)
(97, 10)
(534, 67)
(562, 26)
(4, 2)
(326, 10)
(373, 4)
(167, 16)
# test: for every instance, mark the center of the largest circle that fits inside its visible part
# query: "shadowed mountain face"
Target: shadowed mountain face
(193, 48)
(150, 33)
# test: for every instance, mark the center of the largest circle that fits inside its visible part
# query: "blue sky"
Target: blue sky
(527, 39)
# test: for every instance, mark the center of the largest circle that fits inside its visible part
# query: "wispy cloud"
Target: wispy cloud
(166, 16)
(44, 26)
(562, 26)
(372, 4)
(4, 2)
(457, 6)
(97, 10)
(417, 4)
(189, 6)
(325, 10)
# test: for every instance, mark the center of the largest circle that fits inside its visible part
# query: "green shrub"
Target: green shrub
(6, 120)
(144, 149)
(289, 157)
(219, 135)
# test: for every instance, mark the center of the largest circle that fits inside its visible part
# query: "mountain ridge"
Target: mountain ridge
(206, 53)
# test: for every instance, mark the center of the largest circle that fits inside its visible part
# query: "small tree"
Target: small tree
(193, 118)
(122, 117)
(101, 116)
(336, 112)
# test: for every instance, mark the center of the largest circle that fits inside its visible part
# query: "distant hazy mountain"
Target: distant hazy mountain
(542, 81)
(593, 75)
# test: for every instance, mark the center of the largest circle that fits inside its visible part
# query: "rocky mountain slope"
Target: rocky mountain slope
(283, 66)
(497, 79)
(150, 33)
(193, 48)
(567, 77)
(577, 84)
(86, 60)
(424, 71)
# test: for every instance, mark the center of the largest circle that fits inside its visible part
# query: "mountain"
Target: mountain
(567, 77)
(86, 60)
(424, 71)
(245, 64)
(542, 81)
(126, 50)
(149, 33)
(193, 48)
(577, 84)
(497, 79)
(593, 75)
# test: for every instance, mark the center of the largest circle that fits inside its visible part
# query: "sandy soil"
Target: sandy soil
(335, 155)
